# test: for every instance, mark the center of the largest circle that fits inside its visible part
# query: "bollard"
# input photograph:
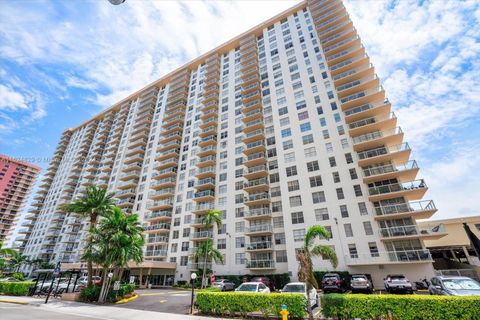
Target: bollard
(284, 312)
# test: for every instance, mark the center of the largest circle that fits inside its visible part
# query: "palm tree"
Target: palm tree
(304, 257)
(117, 240)
(213, 217)
(96, 202)
(207, 251)
(17, 261)
(6, 252)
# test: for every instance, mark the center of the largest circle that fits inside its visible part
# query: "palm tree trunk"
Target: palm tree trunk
(105, 286)
(93, 222)
(204, 271)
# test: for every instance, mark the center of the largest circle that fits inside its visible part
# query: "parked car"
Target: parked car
(84, 280)
(361, 283)
(454, 286)
(257, 287)
(332, 282)
(397, 283)
(300, 287)
(224, 284)
(266, 281)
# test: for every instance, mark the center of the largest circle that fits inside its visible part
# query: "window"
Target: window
(289, 157)
(315, 181)
(329, 147)
(239, 213)
(278, 222)
(240, 242)
(305, 127)
(279, 238)
(332, 161)
(302, 115)
(344, 143)
(325, 134)
(295, 201)
(318, 197)
(321, 214)
(358, 190)
(293, 185)
(344, 211)
(183, 260)
(307, 139)
(281, 256)
(353, 173)
(348, 230)
(298, 235)
(313, 166)
(336, 177)
(368, 228)
(186, 232)
(275, 192)
(286, 133)
(276, 206)
(297, 217)
(287, 144)
(340, 194)
(310, 152)
(353, 251)
(221, 244)
(373, 249)
(291, 171)
(274, 177)
(240, 226)
(348, 157)
(239, 258)
(363, 208)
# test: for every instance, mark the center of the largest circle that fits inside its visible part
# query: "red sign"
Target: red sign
(212, 278)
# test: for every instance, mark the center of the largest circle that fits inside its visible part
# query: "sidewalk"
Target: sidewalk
(99, 312)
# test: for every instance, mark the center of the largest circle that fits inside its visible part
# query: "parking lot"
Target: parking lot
(169, 300)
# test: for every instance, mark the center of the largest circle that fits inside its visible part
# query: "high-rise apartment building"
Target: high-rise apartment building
(281, 128)
(16, 180)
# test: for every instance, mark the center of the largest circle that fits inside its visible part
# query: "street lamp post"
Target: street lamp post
(193, 276)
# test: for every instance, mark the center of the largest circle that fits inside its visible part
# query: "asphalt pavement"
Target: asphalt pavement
(161, 300)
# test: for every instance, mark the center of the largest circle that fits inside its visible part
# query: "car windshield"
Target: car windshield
(359, 278)
(297, 288)
(397, 278)
(330, 278)
(461, 284)
(248, 287)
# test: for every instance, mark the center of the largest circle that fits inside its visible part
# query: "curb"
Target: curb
(127, 300)
(14, 301)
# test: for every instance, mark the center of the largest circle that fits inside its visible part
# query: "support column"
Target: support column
(467, 255)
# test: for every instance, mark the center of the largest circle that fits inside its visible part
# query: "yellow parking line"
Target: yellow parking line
(162, 301)
(153, 294)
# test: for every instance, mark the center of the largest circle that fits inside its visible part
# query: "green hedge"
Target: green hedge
(404, 307)
(15, 288)
(229, 303)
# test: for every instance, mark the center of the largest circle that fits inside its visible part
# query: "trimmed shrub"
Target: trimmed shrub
(211, 289)
(18, 275)
(229, 303)
(125, 289)
(15, 288)
(90, 293)
(405, 307)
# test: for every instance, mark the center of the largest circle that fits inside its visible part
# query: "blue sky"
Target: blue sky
(63, 61)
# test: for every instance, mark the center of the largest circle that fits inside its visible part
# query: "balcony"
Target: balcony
(156, 240)
(206, 151)
(160, 205)
(170, 136)
(211, 140)
(203, 196)
(198, 265)
(413, 190)
(366, 83)
(412, 231)
(168, 172)
(212, 130)
(203, 208)
(331, 22)
(394, 153)
(174, 152)
(129, 202)
(158, 215)
(207, 172)
(206, 161)
(375, 123)
(203, 184)
(130, 184)
(258, 213)
(247, 107)
(136, 150)
(402, 172)
(254, 136)
(415, 210)
(253, 125)
(252, 79)
(157, 228)
(390, 257)
(198, 222)
(257, 185)
(375, 139)
(201, 235)
(255, 147)
(134, 158)
(163, 183)
(255, 159)
(155, 253)
(171, 129)
(169, 145)
(259, 229)
(260, 264)
(256, 172)
(129, 175)
(260, 246)
(362, 97)
(167, 163)
(212, 121)
(161, 194)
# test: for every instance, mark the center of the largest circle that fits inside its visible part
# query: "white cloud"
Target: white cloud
(11, 100)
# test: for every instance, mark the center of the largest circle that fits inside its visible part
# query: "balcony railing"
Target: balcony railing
(426, 205)
(397, 187)
(260, 264)
(412, 230)
(255, 212)
(259, 228)
(389, 168)
(382, 151)
(156, 253)
(160, 226)
(389, 256)
(261, 245)
(201, 234)
(376, 135)
(158, 214)
(157, 239)
(371, 120)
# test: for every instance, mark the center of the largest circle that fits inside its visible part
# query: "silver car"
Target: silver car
(224, 284)
(454, 286)
(397, 283)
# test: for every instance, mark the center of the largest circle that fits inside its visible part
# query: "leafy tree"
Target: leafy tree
(304, 257)
(17, 261)
(95, 203)
(6, 253)
(213, 217)
(116, 240)
(207, 251)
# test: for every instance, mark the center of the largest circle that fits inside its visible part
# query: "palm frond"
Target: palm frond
(315, 231)
(325, 252)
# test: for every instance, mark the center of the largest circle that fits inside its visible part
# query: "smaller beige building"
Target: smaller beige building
(453, 253)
